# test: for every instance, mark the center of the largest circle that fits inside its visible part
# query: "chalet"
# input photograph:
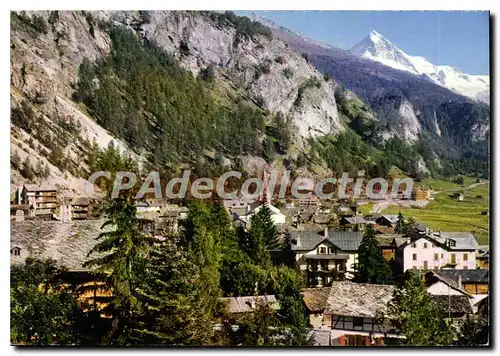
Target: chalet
(67, 244)
(454, 250)
(44, 214)
(349, 311)
(420, 194)
(311, 202)
(38, 197)
(473, 281)
(353, 221)
(456, 306)
(325, 257)
(159, 223)
(387, 220)
(81, 208)
(417, 229)
(389, 243)
(239, 206)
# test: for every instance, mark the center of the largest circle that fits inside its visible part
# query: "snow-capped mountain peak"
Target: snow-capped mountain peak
(378, 48)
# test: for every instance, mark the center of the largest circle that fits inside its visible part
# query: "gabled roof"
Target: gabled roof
(467, 275)
(392, 218)
(464, 240)
(36, 188)
(355, 220)
(433, 277)
(308, 240)
(388, 240)
(80, 201)
(349, 299)
(249, 303)
(66, 243)
(454, 303)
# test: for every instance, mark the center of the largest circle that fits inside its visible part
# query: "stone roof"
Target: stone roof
(355, 220)
(80, 201)
(66, 243)
(454, 303)
(248, 303)
(349, 299)
(433, 277)
(308, 240)
(37, 188)
(392, 218)
(468, 275)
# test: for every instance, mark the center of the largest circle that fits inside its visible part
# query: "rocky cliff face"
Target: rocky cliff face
(256, 65)
(47, 48)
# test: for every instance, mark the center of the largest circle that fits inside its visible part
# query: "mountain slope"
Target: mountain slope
(377, 48)
(450, 131)
(68, 90)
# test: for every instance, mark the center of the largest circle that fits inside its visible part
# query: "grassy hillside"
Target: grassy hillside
(447, 214)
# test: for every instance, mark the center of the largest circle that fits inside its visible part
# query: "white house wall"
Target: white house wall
(427, 254)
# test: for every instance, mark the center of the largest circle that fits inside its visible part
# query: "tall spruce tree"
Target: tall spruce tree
(169, 300)
(372, 266)
(261, 237)
(203, 235)
(400, 225)
(413, 313)
(122, 250)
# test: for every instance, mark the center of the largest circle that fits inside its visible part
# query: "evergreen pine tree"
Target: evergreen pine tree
(400, 225)
(169, 300)
(372, 267)
(121, 255)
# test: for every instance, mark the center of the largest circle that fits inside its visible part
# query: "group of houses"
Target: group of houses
(44, 202)
(340, 311)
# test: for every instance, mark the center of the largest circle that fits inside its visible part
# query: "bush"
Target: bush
(280, 60)
(288, 73)
(39, 24)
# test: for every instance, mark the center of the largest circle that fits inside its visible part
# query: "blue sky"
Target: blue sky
(459, 39)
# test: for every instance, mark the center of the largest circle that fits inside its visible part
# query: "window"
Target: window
(432, 245)
(425, 244)
(436, 257)
(355, 340)
(357, 321)
(442, 255)
(414, 245)
(331, 250)
(16, 251)
(466, 256)
(322, 250)
(453, 258)
(426, 265)
(414, 257)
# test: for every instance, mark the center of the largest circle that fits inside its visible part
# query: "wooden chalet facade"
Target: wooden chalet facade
(349, 311)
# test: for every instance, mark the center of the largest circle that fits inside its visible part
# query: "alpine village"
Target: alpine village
(210, 92)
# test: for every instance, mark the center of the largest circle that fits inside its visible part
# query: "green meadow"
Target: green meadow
(447, 214)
